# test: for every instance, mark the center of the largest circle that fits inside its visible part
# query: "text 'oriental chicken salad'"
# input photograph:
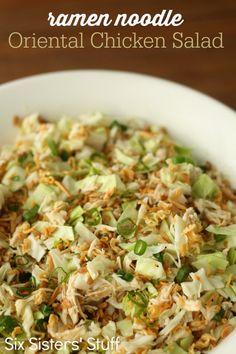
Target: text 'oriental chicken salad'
(112, 230)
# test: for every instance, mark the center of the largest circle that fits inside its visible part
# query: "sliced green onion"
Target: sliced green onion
(76, 213)
(126, 227)
(93, 217)
(46, 310)
(31, 213)
(232, 256)
(142, 167)
(67, 275)
(140, 247)
(181, 159)
(125, 275)
(64, 155)
(21, 260)
(119, 125)
(138, 298)
(183, 273)
(24, 292)
(219, 315)
(53, 147)
(159, 257)
(24, 157)
(220, 238)
(13, 207)
(41, 324)
(15, 178)
(182, 150)
(8, 323)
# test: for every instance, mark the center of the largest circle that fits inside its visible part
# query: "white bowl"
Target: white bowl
(198, 121)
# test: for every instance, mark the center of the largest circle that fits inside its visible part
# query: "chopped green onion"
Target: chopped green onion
(136, 297)
(181, 159)
(142, 167)
(182, 150)
(126, 227)
(15, 178)
(159, 257)
(41, 324)
(8, 323)
(24, 157)
(232, 256)
(31, 213)
(125, 275)
(76, 213)
(64, 155)
(219, 315)
(21, 260)
(140, 247)
(13, 207)
(93, 217)
(220, 238)
(46, 310)
(53, 147)
(121, 126)
(183, 273)
(98, 156)
(67, 275)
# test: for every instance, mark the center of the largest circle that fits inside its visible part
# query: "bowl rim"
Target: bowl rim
(19, 81)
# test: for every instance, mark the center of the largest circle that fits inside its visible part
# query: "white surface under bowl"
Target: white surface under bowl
(196, 120)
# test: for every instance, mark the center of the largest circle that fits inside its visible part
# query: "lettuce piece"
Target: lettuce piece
(124, 159)
(85, 235)
(105, 183)
(100, 265)
(37, 273)
(62, 265)
(150, 268)
(4, 269)
(139, 341)
(129, 211)
(228, 292)
(24, 311)
(186, 342)
(125, 327)
(173, 348)
(64, 125)
(204, 187)
(109, 330)
(71, 184)
(229, 231)
(164, 229)
(14, 179)
(62, 233)
(38, 195)
(201, 283)
(211, 262)
(110, 183)
(37, 250)
(76, 214)
(173, 323)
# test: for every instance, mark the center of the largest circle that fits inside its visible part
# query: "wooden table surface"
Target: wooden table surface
(209, 70)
